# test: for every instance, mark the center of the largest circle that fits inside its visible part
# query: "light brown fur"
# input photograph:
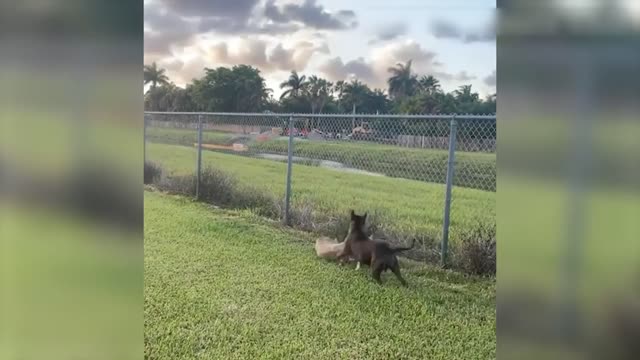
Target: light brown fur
(328, 248)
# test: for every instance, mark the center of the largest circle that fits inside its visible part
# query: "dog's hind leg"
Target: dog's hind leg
(396, 270)
(376, 271)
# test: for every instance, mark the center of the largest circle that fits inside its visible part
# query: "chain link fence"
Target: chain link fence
(430, 177)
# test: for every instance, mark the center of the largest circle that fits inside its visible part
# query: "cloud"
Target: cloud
(158, 19)
(246, 51)
(297, 57)
(192, 69)
(282, 58)
(230, 26)
(389, 32)
(374, 70)
(310, 14)
(255, 52)
(335, 69)
(156, 45)
(490, 80)
(177, 24)
(271, 11)
(442, 29)
(174, 20)
(462, 76)
(400, 52)
(480, 36)
(445, 30)
(163, 30)
(237, 9)
(172, 65)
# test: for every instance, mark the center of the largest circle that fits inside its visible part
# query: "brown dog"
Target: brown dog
(377, 254)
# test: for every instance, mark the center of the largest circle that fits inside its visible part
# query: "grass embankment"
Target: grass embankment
(472, 170)
(227, 285)
(405, 207)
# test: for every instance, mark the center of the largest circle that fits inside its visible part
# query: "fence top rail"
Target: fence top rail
(347, 115)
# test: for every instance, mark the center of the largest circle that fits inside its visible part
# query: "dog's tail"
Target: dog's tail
(398, 249)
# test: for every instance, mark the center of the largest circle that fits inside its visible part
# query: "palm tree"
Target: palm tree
(464, 95)
(339, 87)
(318, 92)
(429, 84)
(378, 101)
(402, 82)
(355, 92)
(250, 95)
(295, 85)
(155, 75)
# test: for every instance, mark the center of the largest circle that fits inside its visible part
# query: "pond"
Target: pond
(328, 164)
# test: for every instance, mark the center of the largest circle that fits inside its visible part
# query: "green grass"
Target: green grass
(473, 169)
(187, 136)
(226, 285)
(406, 206)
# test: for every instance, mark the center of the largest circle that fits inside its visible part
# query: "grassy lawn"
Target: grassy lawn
(187, 136)
(473, 169)
(406, 206)
(226, 285)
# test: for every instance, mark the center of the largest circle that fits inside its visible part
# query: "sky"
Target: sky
(452, 40)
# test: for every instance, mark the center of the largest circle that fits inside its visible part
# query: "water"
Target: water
(328, 164)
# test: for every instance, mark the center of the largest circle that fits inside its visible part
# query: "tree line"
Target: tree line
(242, 88)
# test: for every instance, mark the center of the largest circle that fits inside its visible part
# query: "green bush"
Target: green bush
(476, 253)
(221, 189)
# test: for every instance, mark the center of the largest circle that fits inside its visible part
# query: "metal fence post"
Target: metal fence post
(353, 119)
(287, 194)
(199, 161)
(447, 198)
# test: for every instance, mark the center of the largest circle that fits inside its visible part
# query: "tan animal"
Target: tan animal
(328, 248)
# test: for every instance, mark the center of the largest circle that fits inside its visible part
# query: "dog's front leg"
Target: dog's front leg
(343, 254)
(358, 266)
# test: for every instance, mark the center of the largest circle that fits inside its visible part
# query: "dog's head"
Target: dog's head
(358, 221)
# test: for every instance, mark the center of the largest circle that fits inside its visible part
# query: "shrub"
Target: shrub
(476, 253)
(152, 172)
(222, 189)
(305, 217)
(182, 185)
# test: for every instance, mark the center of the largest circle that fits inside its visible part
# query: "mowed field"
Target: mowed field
(404, 206)
(223, 284)
(475, 170)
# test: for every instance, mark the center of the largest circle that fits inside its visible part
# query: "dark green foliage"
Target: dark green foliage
(243, 89)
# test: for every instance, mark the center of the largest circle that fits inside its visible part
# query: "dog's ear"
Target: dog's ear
(353, 214)
(364, 216)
